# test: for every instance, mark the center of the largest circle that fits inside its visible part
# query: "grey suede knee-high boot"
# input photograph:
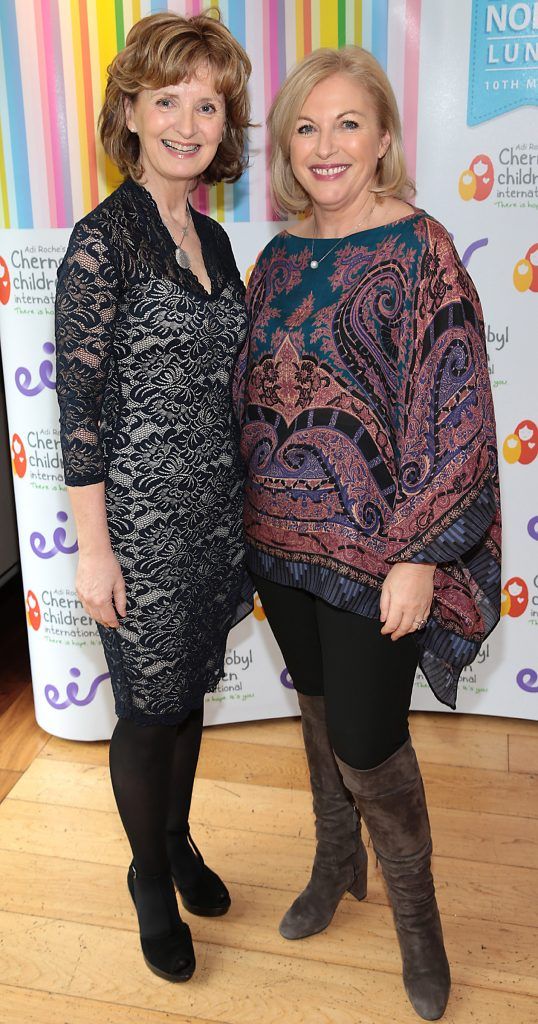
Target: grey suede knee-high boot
(392, 802)
(341, 860)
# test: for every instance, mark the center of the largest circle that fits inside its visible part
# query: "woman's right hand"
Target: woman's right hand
(99, 583)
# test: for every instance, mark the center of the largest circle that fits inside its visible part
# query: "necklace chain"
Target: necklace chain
(314, 264)
(182, 257)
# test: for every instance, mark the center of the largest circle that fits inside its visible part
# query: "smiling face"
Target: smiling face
(336, 144)
(179, 127)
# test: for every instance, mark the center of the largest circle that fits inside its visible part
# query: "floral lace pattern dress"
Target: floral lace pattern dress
(144, 363)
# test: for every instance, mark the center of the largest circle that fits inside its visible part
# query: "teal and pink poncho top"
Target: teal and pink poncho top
(368, 431)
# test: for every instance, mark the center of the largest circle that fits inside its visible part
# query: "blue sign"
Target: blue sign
(503, 65)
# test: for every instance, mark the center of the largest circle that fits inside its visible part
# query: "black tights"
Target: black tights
(152, 768)
(366, 678)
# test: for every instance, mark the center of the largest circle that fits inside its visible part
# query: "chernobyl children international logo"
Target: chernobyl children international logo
(526, 271)
(5, 282)
(39, 459)
(510, 177)
(28, 277)
(522, 445)
(59, 616)
(514, 597)
(477, 181)
(503, 65)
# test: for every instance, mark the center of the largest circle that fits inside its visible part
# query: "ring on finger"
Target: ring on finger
(419, 623)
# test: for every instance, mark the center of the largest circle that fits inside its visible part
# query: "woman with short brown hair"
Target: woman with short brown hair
(149, 316)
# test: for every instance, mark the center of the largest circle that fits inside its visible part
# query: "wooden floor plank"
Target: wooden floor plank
(49, 780)
(463, 724)
(523, 756)
(224, 804)
(21, 739)
(498, 838)
(7, 781)
(277, 732)
(451, 745)
(485, 953)
(287, 731)
(95, 752)
(480, 790)
(69, 952)
(230, 985)
(268, 860)
(32, 1006)
(245, 757)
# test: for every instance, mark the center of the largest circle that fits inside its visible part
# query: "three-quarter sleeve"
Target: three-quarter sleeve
(86, 302)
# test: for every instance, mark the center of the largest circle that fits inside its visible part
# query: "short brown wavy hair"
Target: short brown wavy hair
(164, 49)
(361, 66)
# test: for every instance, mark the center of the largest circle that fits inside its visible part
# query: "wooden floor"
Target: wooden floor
(69, 950)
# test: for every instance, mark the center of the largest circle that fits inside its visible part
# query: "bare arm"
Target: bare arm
(99, 582)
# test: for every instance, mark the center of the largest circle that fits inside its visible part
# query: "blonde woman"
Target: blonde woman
(150, 314)
(372, 510)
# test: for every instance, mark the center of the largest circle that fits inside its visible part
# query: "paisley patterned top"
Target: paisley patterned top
(145, 358)
(368, 430)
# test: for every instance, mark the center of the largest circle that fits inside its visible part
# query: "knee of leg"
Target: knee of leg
(363, 750)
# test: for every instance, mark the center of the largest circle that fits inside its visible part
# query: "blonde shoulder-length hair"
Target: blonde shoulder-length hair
(391, 177)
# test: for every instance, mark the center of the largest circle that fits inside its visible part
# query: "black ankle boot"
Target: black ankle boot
(201, 890)
(165, 939)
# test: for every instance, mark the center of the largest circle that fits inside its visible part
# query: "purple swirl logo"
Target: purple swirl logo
(527, 679)
(472, 248)
(52, 693)
(286, 679)
(23, 376)
(38, 542)
(532, 528)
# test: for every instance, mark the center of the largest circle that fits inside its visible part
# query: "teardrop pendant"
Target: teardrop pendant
(183, 259)
(314, 264)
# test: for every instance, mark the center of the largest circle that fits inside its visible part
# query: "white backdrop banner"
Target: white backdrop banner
(475, 88)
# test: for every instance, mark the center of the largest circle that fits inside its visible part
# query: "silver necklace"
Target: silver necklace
(182, 257)
(314, 264)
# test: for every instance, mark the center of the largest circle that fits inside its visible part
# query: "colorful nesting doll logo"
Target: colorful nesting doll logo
(514, 597)
(526, 271)
(5, 283)
(33, 611)
(478, 180)
(18, 456)
(522, 445)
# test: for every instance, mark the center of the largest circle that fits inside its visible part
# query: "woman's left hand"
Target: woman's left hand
(406, 598)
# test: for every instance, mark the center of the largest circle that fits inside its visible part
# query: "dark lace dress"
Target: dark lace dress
(144, 363)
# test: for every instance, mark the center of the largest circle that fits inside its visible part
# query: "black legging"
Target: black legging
(366, 678)
(152, 768)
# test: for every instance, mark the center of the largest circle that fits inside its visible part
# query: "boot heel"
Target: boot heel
(359, 888)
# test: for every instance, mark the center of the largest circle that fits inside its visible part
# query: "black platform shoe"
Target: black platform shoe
(201, 890)
(167, 952)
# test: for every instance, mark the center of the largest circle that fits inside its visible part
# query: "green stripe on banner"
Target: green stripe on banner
(120, 24)
(342, 23)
